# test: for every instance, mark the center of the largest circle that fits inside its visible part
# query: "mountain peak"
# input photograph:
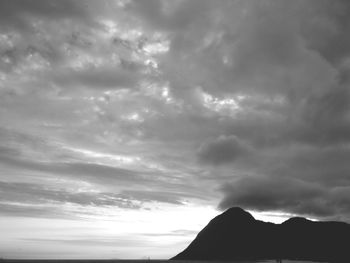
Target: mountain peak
(238, 212)
(296, 220)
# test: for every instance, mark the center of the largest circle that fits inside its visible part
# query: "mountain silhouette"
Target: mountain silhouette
(236, 235)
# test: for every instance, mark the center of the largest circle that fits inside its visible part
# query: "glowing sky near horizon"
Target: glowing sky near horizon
(125, 126)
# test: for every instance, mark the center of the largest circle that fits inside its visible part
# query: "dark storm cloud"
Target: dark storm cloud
(318, 119)
(291, 61)
(265, 193)
(325, 116)
(328, 33)
(326, 166)
(304, 180)
(287, 195)
(224, 149)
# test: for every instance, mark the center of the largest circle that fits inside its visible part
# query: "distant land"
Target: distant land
(126, 261)
(236, 235)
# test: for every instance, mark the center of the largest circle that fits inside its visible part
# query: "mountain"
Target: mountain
(236, 235)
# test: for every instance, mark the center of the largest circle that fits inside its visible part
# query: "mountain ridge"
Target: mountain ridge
(237, 235)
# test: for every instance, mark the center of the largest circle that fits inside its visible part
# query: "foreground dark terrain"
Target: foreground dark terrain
(236, 235)
(143, 261)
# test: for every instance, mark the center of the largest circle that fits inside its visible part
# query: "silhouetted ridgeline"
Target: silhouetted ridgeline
(236, 235)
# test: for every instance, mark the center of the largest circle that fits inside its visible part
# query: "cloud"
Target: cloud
(67, 45)
(255, 90)
(224, 149)
(250, 47)
(86, 171)
(272, 193)
(324, 32)
(305, 184)
(158, 196)
(14, 13)
(42, 200)
(107, 77)
(325, 116)
(22, 210)
(25, 193)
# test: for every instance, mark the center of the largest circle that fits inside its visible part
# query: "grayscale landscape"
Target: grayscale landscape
(200, 130)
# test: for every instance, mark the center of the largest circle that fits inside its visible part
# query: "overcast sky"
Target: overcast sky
(126, 125)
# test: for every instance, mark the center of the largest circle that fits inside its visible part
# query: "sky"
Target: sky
(125, 126)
